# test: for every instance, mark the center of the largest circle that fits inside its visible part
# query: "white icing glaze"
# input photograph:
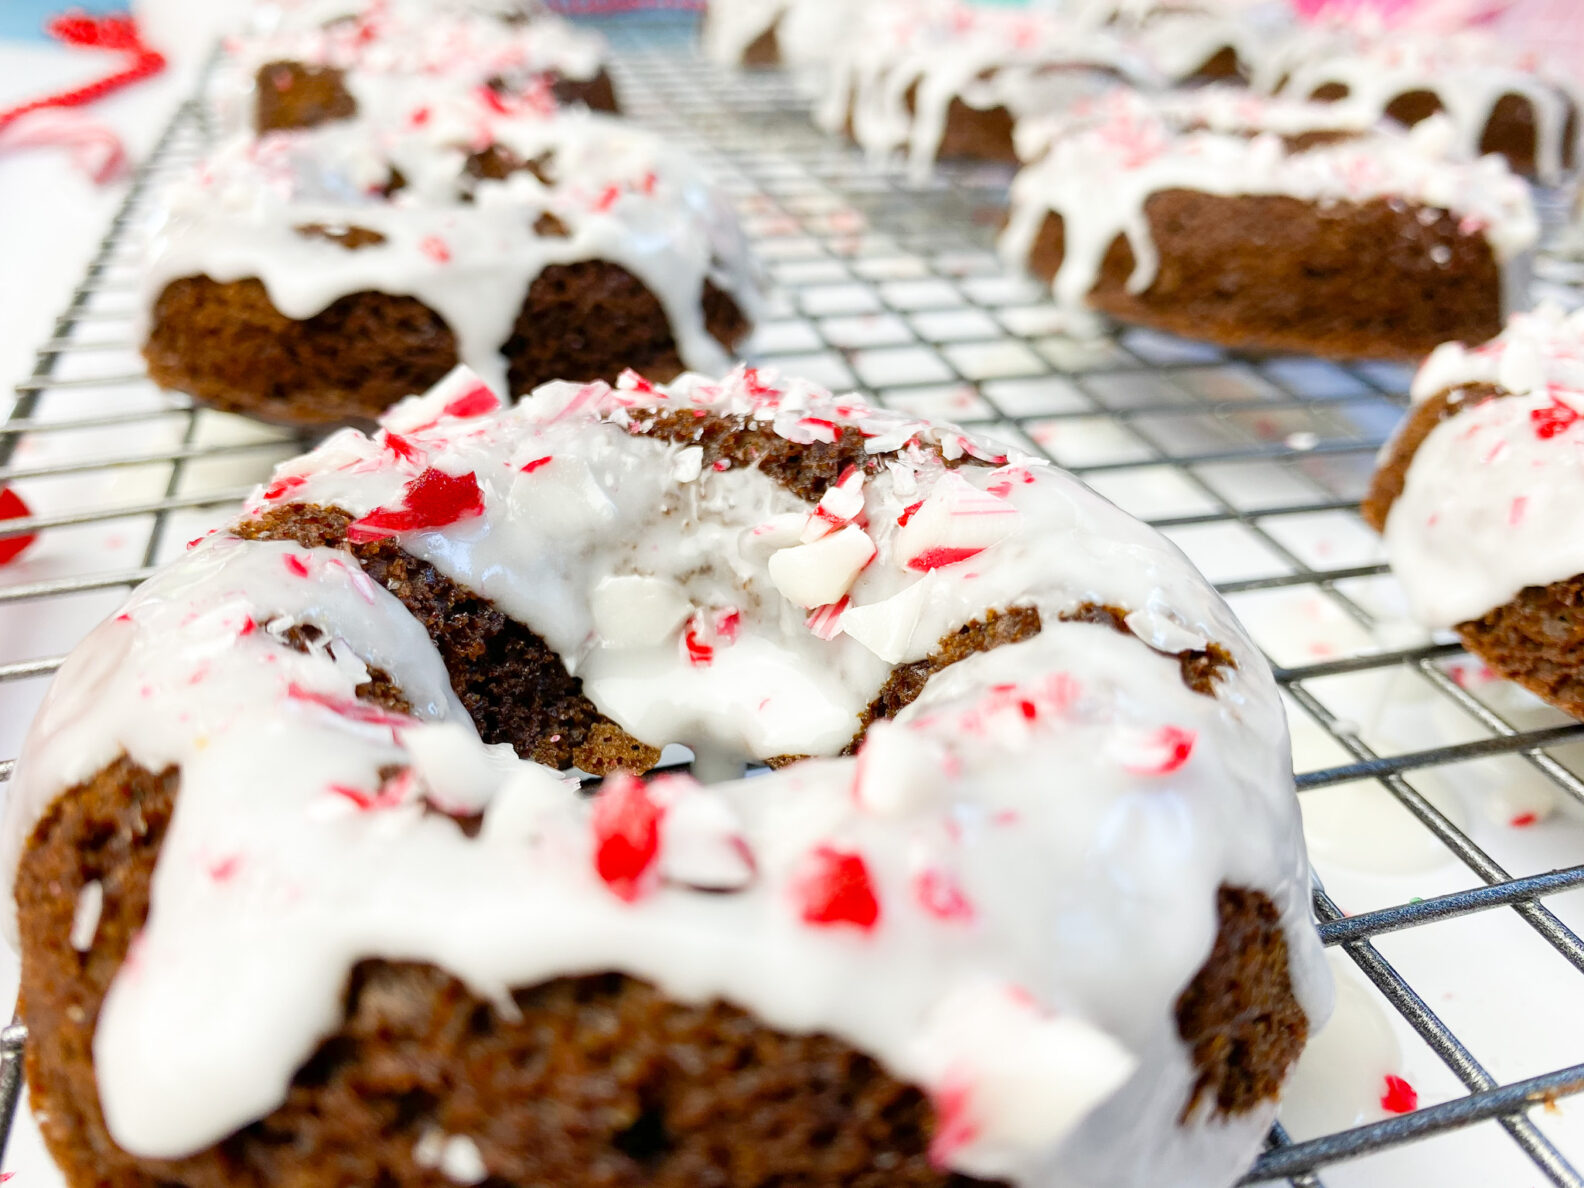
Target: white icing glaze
(807, 32)
(625, 195)
(999, 898)
(1469, 71)
(944, 50)
(1178, 37)
(397, 43)
(1098, 167)
(1491, 497)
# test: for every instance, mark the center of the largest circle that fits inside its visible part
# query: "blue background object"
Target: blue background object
(24, 19)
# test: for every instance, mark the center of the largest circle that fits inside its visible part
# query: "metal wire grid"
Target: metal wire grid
(893, 289)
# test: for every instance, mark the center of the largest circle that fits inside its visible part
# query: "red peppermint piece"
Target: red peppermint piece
(836, 890)
(535, 464)
(349, 707)
(1559, 418)
(626, 822)
(1523, 820)
(475, 402)
(282, 487)
(728, 622)
(940, 896)
(434, 499)
(12, 508)
(1400, 1097)
(1164, 752)
(401, 447)
(954, 1127)
(435, 248)
(225, 870)
(699, 651)
(825, 621)
(939, 558)
(490, 99)
(907, 513)
(296, 566)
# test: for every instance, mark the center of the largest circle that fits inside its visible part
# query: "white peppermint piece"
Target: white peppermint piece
(1164, 633)
(418, 412)
(887, 628)
(528, 805)
(689, 464)
(1023, 1077)
(461, 773)
(634, 611)
(899, 770)
(461, 1162)
(821, 573)
(702, 843)
(839, 506)
(956, 522)
(85, 919)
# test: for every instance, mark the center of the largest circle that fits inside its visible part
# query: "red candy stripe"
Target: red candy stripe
(626, 822)
(837, 890)
(13, 508)
(434, 499)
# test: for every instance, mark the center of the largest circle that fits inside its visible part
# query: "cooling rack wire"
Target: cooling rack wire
(1448, 891)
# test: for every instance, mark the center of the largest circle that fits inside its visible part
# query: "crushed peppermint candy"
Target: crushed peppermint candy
(836, 890)
(626, 823)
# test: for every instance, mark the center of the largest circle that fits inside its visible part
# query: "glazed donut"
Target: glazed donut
(1268, 226)
(1032, 909)
(1475, 493)
(301, 65)
(319, 276)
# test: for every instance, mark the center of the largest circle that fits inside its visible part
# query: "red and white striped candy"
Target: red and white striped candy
(956, 522)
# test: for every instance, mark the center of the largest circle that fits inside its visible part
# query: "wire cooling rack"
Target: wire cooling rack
(1451, 891)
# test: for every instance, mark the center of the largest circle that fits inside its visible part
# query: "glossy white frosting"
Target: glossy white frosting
(1098, 166)
(626, 196)
(1468, 70)
(1491, 500)
(1026, 61)
(1178, 37)
(808, 32)
(1038, 839)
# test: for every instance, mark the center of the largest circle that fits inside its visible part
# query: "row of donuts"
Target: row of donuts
(405, 185)
(1337, 189)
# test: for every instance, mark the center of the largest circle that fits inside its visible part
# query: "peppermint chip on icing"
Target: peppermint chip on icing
(999, 897)
(1098, 166)
(467, 247)
(1490, 502)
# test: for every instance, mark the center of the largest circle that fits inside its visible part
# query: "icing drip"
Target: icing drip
(1491, 495)
(1178, 37)
(1098, 167)
(619, 193)
(1012, 942)
(944, 50)
(807, 32)
(1468, 72)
